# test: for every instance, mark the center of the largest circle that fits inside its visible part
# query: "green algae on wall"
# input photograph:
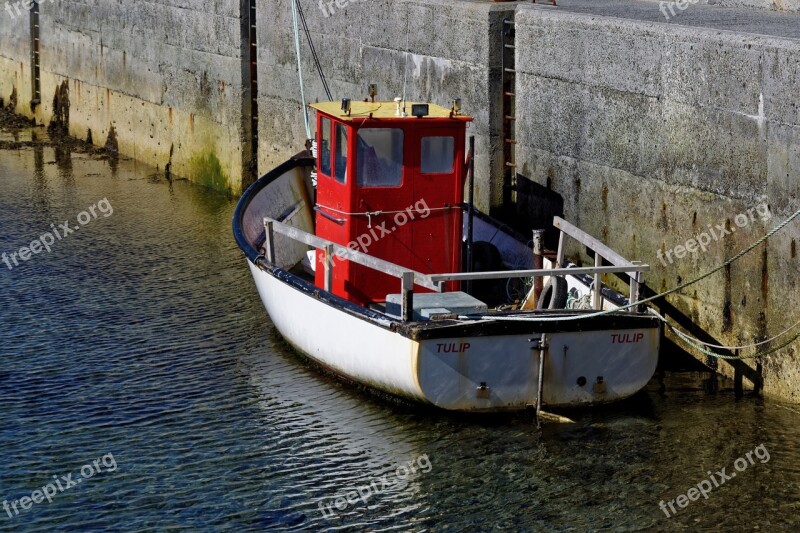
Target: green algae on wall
(206, 170)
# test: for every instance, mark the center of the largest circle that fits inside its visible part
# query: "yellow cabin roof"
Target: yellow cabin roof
(360, 110)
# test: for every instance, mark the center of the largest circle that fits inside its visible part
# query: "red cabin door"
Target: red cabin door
(333, 197)
(383, 189)
(437, 176)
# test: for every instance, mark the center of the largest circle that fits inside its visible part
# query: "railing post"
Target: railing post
(328, 267)
(538, 261)
(407, 291)
(269, 242)
(598, 281)
(470, 214)
(560, 252)
(634, 297)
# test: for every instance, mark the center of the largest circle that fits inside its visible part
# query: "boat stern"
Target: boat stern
(495, 373)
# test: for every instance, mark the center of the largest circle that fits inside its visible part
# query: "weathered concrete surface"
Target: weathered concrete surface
(788, 6)
(775, 5)
(454, 51)
(165, 75)
(735, 15)
(651, 133)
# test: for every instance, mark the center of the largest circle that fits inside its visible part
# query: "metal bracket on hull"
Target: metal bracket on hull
(542, 347)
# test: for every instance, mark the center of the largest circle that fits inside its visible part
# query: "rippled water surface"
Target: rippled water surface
(139, 342)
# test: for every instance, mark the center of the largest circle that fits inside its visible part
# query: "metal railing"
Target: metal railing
(601, 252)
(331, 251)
(435, 282)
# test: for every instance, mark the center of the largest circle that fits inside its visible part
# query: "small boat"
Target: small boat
(370, 263)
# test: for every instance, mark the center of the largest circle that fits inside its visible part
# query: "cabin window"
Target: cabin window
(380, 157)
(438, 155)
(325, 147)
(341, 153)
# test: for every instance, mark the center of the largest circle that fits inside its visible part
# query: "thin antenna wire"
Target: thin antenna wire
(300, 67)
(314, 51)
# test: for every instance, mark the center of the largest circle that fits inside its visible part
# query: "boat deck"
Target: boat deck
(501, 321)
(496, 323)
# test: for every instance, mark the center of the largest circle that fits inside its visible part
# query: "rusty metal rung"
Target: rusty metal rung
(512, 141)
(509, 70)
(511, 165)
(509, 117)
(510, 46)
(509, 94)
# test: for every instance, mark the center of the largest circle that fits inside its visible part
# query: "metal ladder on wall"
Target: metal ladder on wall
(249, 50)
(36, 81)
(509, 109)
(509, 114)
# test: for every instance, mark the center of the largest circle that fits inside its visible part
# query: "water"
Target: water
(139, 341)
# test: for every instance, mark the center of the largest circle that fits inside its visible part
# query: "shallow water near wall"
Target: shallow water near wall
(137, 358)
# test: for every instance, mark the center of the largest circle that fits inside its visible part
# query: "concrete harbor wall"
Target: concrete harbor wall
(652, 132)
(770, 5)
(646, 133)
(774, 5)
(166, 76)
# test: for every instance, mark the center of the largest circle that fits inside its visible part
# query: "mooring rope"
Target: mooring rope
(700, 346)
(731, 348)
(689, 340)
(370, 214)
(376, 213)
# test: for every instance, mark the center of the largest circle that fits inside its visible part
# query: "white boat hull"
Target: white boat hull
(447, 372)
